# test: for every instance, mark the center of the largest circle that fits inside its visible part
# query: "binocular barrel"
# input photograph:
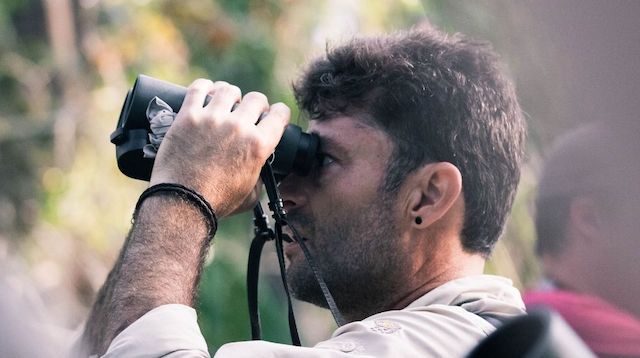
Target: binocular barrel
(295, 153)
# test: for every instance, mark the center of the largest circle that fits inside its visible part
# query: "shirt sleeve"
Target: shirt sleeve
(172, 331)
(166, 331)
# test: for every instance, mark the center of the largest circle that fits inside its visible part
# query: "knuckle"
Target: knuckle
(257, 151)
(280, 112)
(235, 91)
(284, 109)
(226, 89)
(256, 96)
(200, 84)
(260, 146)
(221, 84)
(257, 99)
(192, 114)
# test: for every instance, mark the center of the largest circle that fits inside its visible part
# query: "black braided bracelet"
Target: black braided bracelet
(186, 194)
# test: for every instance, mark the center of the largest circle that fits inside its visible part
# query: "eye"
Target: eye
(324, 160)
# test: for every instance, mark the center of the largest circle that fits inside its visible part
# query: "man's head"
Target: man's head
(587, 218)
(440, 99)
(441, 134)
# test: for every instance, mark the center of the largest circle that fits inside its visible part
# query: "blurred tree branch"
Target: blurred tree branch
(61, 32)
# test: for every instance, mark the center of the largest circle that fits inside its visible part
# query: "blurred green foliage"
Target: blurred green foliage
(65, 208)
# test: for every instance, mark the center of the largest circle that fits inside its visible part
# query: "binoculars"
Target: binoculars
(295, 153)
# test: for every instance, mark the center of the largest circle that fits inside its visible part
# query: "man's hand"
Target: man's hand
(218, 152)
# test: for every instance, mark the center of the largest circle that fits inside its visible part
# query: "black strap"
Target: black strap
(187, 194)
(262, 234)
(335, 312)
(279, 214)
(293, 329)
(252, 285)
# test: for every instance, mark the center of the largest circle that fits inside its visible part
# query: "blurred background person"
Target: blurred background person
(587, 223)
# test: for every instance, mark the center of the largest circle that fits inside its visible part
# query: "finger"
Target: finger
(223, 97)
(216, 86)
(197, 92)
(251, 199)
(252, 106)
(274, 123)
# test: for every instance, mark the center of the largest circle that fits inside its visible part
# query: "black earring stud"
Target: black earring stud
(418, 220)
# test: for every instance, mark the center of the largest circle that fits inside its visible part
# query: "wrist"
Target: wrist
(187, 196)
(211, 192)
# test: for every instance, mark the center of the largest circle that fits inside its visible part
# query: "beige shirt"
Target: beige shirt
(446, 322)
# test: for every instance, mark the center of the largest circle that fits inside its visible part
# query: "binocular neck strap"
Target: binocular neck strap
(262, 234)
(335, 312)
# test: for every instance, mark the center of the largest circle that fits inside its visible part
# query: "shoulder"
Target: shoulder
(436, 331)
(446, 322)
(441, 331)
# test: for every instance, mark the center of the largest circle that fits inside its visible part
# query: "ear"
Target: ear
(585, 223)
(436, 187)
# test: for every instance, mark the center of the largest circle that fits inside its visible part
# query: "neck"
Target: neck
(468, 265)
(576, 276)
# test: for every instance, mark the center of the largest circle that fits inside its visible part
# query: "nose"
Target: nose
(293, 192)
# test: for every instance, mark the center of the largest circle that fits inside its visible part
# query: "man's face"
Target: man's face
(349, 223)
(616, 250)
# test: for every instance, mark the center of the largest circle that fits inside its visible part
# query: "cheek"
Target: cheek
(622, 224)
(338, 226)
(358, 189)
(617, 249)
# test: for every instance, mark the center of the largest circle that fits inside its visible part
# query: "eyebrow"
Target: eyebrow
(331, 144)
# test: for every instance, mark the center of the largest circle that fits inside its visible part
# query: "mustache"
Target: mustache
(300, 223)
(298, 220)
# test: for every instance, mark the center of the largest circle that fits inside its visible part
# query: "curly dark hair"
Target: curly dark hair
(439, 98)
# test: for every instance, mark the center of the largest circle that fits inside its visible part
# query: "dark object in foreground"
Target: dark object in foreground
(541, 333)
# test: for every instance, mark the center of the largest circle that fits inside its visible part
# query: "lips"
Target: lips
(287, 235)
(287, 238)
(291, 246)
(291, 241)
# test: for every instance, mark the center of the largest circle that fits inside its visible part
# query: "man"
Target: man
(587, 224)
(421, 138)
